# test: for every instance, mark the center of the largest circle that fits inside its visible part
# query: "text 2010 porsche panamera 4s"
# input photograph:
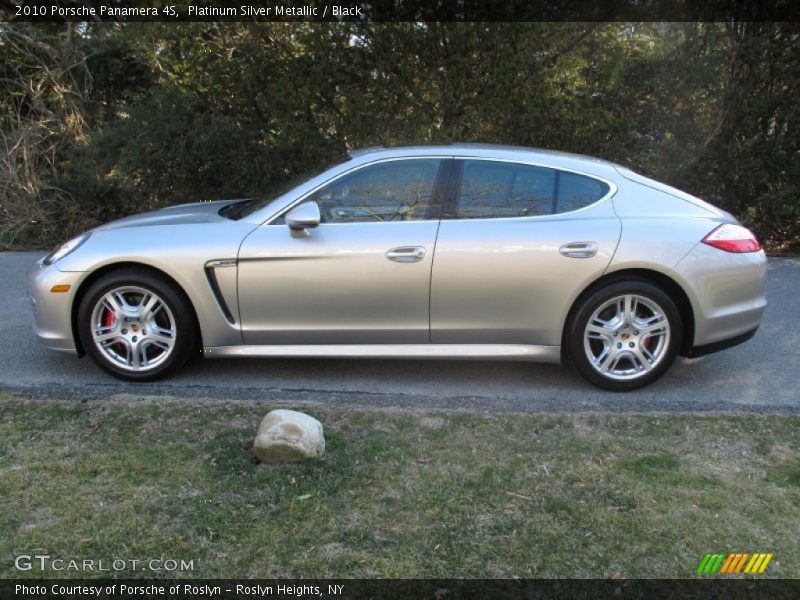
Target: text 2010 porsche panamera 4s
(452, 252)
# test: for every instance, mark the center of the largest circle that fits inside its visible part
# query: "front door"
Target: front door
(362, 276)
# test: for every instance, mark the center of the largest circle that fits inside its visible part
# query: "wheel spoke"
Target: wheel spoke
(629, 309)
(611, 365)
(123, 302)
(602, 359)
(653, 337)
(164, 341)
(105, 328)
(148, 343)
(137, 356)
(641, 360)
(599, 330)
(160, 334)
(655, 331)
(619, 315)
(645, 352)
(111, 334)
(654, 324)
(160, 344)
(113, 305)
(110, 346)
(149, 306)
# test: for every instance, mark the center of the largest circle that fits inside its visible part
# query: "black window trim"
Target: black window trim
(457, 178)
(556, 186)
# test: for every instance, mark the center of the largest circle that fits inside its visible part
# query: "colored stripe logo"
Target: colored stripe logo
(734, 563)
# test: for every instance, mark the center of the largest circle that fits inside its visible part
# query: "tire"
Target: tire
(137, 325)
(624, 335)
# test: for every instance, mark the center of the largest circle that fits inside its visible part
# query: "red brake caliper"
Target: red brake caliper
(108, 320)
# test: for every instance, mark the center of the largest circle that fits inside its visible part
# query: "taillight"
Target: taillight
(732, 238)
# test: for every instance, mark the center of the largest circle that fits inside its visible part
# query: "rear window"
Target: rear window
(578, 191)
(496, 189)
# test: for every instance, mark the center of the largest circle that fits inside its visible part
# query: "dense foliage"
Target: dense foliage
(101, 120)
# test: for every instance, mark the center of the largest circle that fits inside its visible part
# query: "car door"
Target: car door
(516, 244)
(363, 275)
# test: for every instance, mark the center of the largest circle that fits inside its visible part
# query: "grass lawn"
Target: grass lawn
(399, 494)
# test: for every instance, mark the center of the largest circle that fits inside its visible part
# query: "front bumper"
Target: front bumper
(52, 311)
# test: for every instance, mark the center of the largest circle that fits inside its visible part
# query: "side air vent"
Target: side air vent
(213, 282)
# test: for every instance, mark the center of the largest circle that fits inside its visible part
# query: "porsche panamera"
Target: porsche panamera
(442, 252)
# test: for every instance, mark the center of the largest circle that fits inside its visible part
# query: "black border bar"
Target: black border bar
(386, 589)
(374, 11)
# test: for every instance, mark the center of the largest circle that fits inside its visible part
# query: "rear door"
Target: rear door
(516, 244)
(363, 275)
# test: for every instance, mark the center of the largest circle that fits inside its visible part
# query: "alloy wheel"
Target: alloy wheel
(133, 328)
(626, 337)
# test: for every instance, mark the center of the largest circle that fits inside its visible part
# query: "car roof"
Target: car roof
(553, 157)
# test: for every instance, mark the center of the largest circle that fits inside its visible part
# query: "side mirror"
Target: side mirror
(303, 216)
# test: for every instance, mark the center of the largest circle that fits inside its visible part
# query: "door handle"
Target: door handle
(579, 249)
(406, 254)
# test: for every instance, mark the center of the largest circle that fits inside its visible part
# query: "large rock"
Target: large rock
(288, 436)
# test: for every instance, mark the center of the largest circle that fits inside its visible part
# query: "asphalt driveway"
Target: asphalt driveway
(762, 375)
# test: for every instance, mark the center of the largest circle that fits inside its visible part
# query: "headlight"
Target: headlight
(65, 249)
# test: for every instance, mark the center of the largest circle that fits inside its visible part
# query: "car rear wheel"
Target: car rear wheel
(136, 325)
(624, 335)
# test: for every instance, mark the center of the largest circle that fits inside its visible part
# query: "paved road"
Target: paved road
(762, 375)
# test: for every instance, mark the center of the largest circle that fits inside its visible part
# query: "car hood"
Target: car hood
(180, 214)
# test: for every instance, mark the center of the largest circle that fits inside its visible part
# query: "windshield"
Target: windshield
(239, 210)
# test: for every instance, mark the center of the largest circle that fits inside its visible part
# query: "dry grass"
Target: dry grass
(399, 494)
(46, 86)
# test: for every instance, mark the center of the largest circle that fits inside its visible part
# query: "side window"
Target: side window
(401, 190)
(578, 191)
(492, 189)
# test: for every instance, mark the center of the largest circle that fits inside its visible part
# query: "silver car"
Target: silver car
(445, 252)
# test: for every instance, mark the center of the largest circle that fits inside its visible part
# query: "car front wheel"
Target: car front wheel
(136, 325)
(624, 335)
